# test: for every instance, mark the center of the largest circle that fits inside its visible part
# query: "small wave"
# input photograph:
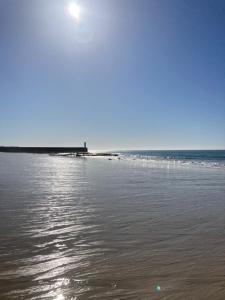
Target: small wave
(171, 161)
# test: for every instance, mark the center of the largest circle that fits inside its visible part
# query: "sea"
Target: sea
(204, 158)
(143, 225)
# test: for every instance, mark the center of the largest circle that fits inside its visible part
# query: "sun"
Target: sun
(75, 11)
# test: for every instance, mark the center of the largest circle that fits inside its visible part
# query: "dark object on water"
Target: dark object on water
(105, 154)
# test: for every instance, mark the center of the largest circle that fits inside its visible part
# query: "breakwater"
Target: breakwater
(44, 150)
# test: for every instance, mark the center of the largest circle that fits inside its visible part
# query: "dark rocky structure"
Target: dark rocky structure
(44, 150)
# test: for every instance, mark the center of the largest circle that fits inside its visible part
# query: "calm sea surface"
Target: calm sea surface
(146, 226)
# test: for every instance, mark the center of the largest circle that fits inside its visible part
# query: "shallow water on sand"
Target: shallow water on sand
(98, 229)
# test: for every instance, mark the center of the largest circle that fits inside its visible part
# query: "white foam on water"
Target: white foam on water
(170, 162)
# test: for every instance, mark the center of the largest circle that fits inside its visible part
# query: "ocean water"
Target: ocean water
(204, 158)
(140, 226)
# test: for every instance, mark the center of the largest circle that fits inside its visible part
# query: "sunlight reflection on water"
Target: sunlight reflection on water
(60, 297)
(84, 229)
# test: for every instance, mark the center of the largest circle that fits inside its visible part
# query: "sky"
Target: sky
(126, 74)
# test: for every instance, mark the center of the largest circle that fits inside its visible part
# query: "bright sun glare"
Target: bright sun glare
(74, 10)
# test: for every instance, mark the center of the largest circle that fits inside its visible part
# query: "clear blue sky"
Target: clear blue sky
(131, 74)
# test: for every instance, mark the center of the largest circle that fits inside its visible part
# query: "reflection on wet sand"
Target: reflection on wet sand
(98, 229)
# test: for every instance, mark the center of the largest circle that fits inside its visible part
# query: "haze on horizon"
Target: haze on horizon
(128, 74)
